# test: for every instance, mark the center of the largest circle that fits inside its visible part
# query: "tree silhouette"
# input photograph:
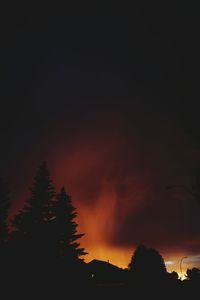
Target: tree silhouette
(31, 224)
(63, 229)
(45, 228)
(36, 211)
(147, 264)
(174, 275)
(4, 208)
(193, 274)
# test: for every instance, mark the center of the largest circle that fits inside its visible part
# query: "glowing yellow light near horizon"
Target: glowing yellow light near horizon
(99, 227)
(174, 265)
(121, 258)
(115, 256)
(182, 277)
(169, 263)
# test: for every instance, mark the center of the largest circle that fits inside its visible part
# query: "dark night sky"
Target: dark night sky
(111, 101)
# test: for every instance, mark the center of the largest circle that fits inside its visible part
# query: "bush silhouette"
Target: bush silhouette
(147, 264)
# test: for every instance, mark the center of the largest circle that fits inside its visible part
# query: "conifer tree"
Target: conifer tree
(32, 219)
(64, 229)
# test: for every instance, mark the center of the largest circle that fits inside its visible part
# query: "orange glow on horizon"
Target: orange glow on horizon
(121, 257)
(105, 191)
(91, 177)
(97, 222)
(113, 255)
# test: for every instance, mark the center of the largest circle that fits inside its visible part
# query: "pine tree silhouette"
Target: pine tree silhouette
(31, 224)
(45, 230)
(63, 229)
(36, 211)
(4, 208)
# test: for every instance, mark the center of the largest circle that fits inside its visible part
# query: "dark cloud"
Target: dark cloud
(123, 171)
(169, 224)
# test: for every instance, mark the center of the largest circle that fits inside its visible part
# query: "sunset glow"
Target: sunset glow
(100, 150)
(109, 196)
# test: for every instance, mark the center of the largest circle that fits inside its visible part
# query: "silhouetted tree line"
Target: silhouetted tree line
(42, 252)
(43, 244)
